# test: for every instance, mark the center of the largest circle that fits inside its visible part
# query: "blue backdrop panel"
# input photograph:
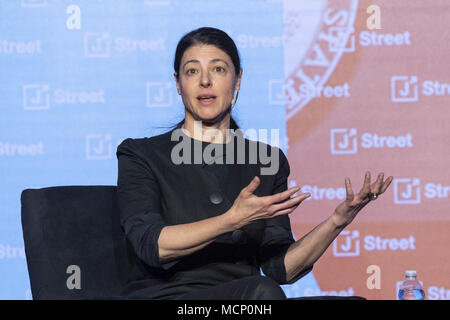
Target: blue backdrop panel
(78, 77)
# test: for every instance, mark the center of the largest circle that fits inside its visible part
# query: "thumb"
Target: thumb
(253, 185)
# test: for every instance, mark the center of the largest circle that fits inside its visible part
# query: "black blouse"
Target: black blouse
(156, 190)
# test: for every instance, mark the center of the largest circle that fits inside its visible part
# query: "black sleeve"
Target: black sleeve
(139, 202)
(278, 234)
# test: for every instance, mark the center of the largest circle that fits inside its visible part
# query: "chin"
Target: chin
(208, 114)
(209, 117)
(208, 120)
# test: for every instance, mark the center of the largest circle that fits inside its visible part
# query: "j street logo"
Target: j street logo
(346, 141)
(404, 89)
(101, 45)
(36, 97)
(348, 243)
(343, 141)
(99, 147)
(159, 94)
(409, 191)
(407, 88)
(96, 45)
(40, 97)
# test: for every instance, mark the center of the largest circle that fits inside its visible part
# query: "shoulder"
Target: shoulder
(142, 145)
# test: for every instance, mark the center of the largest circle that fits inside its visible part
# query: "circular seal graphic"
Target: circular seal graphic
(316, 34)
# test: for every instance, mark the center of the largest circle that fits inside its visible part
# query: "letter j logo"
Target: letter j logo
(343, 141)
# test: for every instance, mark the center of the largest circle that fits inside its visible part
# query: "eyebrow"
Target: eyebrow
(212, 61)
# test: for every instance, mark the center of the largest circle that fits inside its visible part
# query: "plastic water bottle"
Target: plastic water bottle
(410, 288)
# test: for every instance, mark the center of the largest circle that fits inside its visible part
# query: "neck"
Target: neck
(214, 133)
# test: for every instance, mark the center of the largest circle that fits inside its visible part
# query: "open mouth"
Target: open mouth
(206, 99)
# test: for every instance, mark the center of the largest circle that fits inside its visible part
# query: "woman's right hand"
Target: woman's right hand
(248, 207)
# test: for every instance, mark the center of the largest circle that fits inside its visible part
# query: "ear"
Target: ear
(238, 81)
(177, 83)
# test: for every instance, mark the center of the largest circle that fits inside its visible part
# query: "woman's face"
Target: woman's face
(207, 82)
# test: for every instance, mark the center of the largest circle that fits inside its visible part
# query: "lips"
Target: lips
(206, 99)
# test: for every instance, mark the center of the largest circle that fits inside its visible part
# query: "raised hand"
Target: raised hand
(248, 207)
(346, 211)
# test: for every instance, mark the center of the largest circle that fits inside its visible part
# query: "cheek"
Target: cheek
(186, 91)
(228, 89)
(231, 94)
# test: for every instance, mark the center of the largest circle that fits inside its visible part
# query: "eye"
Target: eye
(191, 71)
(219, 69)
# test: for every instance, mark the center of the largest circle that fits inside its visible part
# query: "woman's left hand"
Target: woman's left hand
(346, 211)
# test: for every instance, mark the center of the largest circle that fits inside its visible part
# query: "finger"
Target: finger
(348, 189)
(376, 186)
(284, 211)
(280, 197)
(386, 184)
(252, 186)
(366, 186)
(289, 203)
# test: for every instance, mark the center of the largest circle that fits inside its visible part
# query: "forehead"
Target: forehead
(205, 53)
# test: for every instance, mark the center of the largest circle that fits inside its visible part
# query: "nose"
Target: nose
(205, 80)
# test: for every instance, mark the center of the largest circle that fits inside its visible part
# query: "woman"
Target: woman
(203, 230)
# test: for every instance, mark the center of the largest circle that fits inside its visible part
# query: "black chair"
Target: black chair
(73, 233)
(71, 229)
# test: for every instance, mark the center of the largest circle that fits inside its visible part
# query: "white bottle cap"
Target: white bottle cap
(410, 273)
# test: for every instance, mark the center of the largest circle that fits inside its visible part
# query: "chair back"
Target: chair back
(74, 245)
